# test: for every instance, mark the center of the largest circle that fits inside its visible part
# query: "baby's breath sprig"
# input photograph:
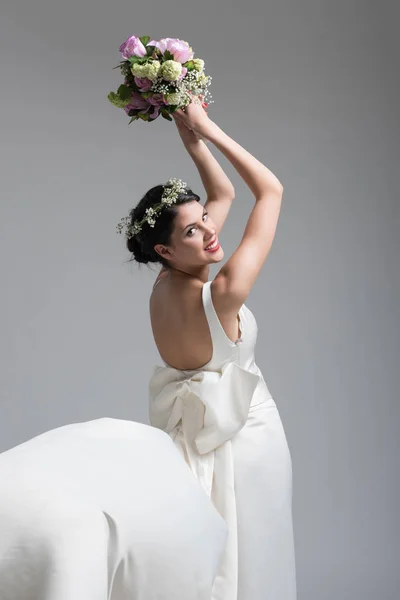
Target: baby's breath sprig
(172, 189)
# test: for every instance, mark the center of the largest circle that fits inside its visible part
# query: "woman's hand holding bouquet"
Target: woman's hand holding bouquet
(192, 123)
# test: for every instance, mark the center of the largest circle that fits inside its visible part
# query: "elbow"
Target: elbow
(275, 191)
(230, 193)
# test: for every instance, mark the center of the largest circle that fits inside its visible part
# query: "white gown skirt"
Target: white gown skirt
(106, 510)
(264, 492)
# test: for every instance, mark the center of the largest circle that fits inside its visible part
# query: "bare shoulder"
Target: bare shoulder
(163, 273)
(226, 298)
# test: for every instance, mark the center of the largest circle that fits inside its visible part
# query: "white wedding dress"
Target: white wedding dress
(227, 427)
(197, 506)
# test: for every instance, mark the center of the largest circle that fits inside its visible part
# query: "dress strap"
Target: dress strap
(223, 346)
(158, 281)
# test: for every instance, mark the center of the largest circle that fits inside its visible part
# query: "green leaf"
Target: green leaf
(124, 92)
(144, 39)
(150, 50)
(116, 100)
(144, 116)
(112, 97)
(189, 65)
(134, 86)
(166, 115)
(170, 108)
(134, 118)
(137, 59)
(120, 64)
(168, 55)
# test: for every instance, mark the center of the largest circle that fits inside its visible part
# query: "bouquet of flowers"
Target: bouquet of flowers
(159, 78)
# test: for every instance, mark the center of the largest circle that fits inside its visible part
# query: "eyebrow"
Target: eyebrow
(192, 224)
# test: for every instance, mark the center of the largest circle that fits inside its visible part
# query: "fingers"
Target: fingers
(179, 113)
(178, 120)
(180, 124)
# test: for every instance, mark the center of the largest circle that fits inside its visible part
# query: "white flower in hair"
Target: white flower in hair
(172, 189)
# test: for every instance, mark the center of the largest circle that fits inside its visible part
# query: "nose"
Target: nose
(210, 233)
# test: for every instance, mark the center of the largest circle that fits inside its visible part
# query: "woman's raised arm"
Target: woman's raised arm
(236, 278)
(219, 188)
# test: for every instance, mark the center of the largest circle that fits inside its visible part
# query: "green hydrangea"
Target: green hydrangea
(152, 69)
(117, 101)
(173, 98)
(137, 70)
(198, 64)
(171, 69)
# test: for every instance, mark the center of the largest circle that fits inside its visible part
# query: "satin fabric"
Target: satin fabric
(202, 413)
(105, 510)
(195, 506)
(226, 426)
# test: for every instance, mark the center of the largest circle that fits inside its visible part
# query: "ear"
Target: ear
(163, 251)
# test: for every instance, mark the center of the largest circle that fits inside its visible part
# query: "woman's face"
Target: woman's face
(194, 231)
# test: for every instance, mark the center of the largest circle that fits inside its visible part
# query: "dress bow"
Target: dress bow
(202, 413)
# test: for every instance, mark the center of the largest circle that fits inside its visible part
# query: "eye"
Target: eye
(191, 229)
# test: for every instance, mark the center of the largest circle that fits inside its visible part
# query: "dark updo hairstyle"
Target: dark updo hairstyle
(141, 245)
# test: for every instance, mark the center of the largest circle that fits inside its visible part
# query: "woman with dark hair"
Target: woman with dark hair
(198, 504)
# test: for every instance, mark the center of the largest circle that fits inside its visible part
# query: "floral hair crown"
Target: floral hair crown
(172, 189)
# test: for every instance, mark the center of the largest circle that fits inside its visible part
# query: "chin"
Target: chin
(215, 256)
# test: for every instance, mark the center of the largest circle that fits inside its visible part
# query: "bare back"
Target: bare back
(179, 324)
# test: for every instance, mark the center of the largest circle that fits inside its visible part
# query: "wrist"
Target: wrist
(192, 145)
(196, 148)
(209, 130)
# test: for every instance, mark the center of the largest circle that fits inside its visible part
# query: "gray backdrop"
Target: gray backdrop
(311, 89)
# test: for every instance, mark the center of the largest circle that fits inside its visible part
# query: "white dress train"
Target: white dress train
(104, 510)
(197, 506)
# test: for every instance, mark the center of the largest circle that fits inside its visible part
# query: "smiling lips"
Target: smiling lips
(213, 246)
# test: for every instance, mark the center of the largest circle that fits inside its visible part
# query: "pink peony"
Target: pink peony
(137, 102)
(156, 100)
(143, 83)
(151, 105)
(180, 49)
(132, 47)
(155, 113)
(182, 75)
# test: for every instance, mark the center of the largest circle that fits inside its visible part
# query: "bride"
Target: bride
(198, 504)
